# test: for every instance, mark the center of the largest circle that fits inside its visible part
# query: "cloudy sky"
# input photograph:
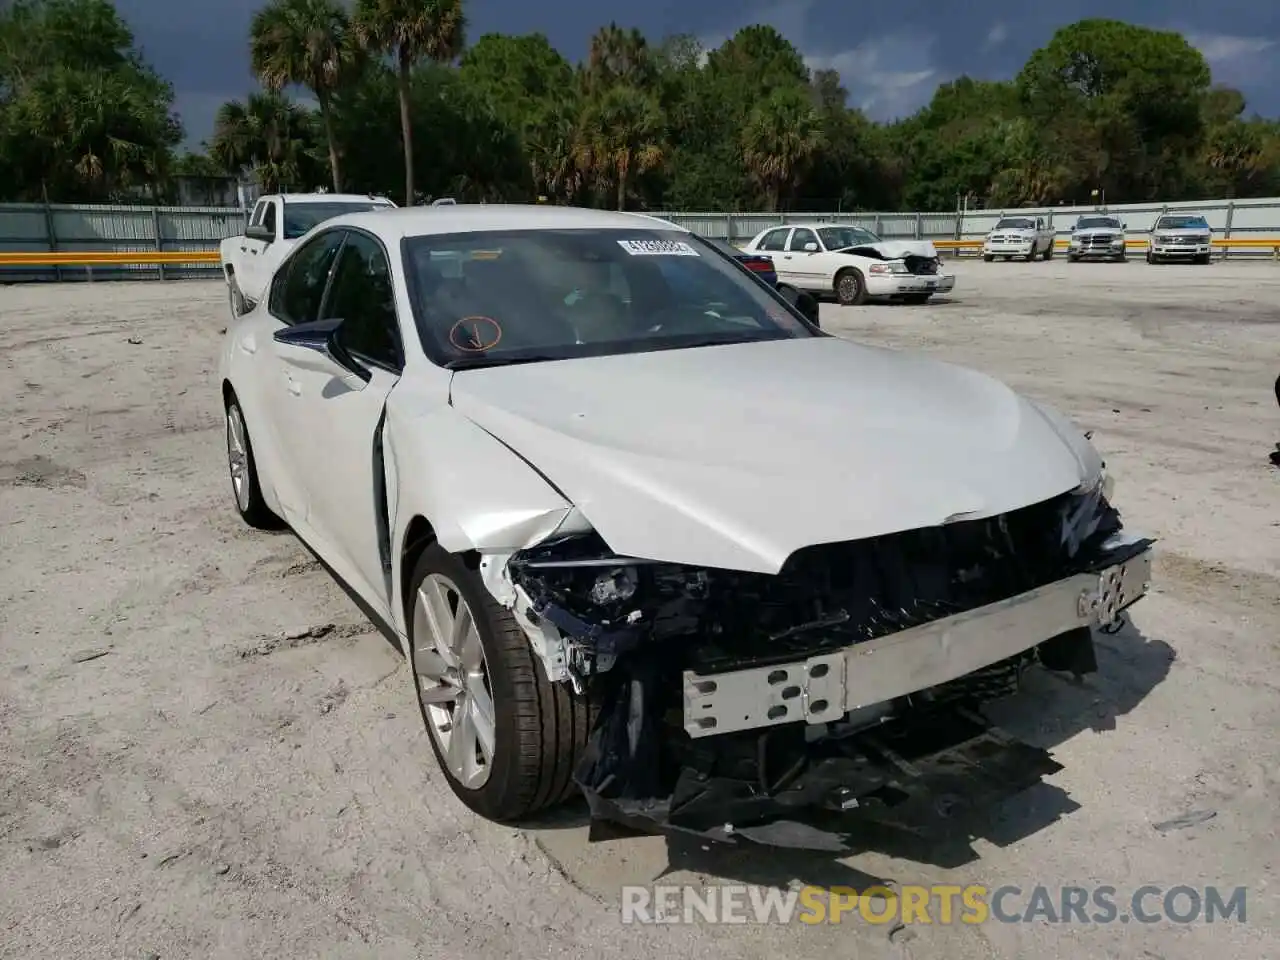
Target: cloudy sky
(891, 57)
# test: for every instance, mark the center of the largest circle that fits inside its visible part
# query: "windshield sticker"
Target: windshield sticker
(657, 248)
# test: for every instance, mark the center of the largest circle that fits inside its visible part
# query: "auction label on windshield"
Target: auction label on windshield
(657, 248)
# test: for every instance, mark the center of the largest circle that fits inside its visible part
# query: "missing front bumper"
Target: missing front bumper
(824, 689)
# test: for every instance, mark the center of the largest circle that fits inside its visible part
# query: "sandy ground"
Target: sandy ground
(206, 751)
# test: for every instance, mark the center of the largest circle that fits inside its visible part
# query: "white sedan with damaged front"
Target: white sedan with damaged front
(852, 263)
(643, 532)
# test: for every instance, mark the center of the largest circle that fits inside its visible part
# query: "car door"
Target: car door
(335, 416)
(254, 273)
(800, 265)
(294, 296)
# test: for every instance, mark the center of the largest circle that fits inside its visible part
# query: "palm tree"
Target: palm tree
(305, 42)
(267, 135)
(620, 136)
(618, 56)
(411, 30)
(782, 134)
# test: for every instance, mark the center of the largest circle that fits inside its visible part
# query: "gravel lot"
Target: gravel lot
(207, 751)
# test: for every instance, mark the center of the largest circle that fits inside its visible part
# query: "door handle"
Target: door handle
(295, 387)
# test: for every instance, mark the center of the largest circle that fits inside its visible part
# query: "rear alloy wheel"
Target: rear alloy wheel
(851, 288)
(506, 738)
(235, 298)
(250, 504)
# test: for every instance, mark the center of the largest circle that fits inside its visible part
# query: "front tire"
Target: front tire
(851, 287)
(245, 487)
(988, 257)
(1151, 258)
(1203, 259)
(506, 738)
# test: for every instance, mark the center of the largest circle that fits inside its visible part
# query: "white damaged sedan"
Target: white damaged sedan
(644, 533)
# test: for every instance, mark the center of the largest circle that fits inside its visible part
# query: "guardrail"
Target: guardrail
(151, 258)
(1264, 243)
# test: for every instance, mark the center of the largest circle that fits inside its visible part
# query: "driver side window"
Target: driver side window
(361, 296)
(298, 286)
(269, 217)
(775, 239)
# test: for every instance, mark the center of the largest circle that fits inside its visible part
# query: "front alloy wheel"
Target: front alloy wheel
(851, 290)
(453, 681)
(506, 737)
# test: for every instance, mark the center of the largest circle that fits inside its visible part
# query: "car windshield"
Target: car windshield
(838, 238)
(301, 217)
(490, 298)
(1182, 223)
(1016, 223)
(1091, 223)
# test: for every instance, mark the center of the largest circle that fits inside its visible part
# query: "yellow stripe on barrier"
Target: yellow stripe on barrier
(152, 258)
(106, 258)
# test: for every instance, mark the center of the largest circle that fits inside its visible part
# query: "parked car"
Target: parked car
(1025, 237)
(275, 225)
(642, 532)
(1179, 236)
(852, 262)
(1097, 237)
(762, 267)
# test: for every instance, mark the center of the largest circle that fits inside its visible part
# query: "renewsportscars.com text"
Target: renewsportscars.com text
(936, 904)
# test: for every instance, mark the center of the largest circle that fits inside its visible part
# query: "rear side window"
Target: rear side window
(775, 239)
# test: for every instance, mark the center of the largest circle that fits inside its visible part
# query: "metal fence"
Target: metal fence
(94, 229)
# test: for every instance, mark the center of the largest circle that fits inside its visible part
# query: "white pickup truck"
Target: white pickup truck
(277, 222)
(1024, 237)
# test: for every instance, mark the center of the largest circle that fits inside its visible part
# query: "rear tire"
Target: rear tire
(1048, 251)
(851, 288)
(235, 298)
(539, 728)
(245, 488)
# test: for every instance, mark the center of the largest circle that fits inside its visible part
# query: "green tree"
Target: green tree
(1134, 93)
(306, 43)
(268, 137)
(619, 136)
(782, 135)
(82, 116)
(410, 31)
(531, 88)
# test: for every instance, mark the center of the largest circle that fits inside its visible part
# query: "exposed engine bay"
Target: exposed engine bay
(692, 737)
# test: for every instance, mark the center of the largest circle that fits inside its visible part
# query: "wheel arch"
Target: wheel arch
(458, 486)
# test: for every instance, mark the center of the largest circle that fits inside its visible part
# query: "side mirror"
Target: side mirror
(811, 248)
(1124, 226)
(323, 337)
(257, 231)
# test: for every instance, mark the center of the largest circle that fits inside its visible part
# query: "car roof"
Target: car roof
(331, 198)
(400, 222)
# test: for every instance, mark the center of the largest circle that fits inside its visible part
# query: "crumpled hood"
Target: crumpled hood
(736, 456)
(897, 249)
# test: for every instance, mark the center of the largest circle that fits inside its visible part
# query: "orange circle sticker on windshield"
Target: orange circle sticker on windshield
(475, 334)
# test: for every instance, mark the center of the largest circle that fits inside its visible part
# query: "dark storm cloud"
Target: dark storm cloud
(891, 56)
